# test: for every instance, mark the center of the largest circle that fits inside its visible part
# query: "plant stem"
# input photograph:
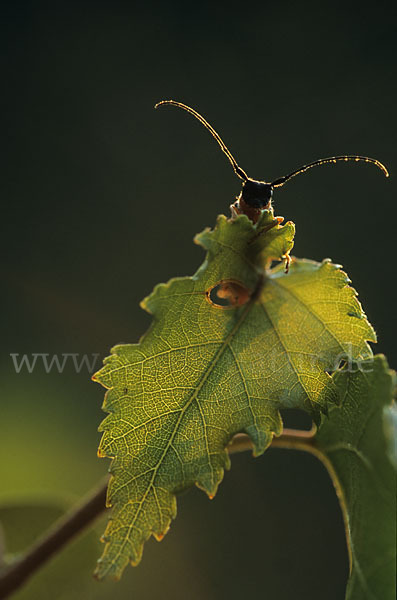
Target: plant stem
(290, 438)
(72, 523)
(94, 504)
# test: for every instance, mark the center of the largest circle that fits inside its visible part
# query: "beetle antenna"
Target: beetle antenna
(332, 159)
(238, 170)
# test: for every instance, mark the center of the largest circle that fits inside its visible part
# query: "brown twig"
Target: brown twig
(71, 524)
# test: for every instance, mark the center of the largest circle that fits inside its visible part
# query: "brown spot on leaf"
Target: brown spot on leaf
(228, 294)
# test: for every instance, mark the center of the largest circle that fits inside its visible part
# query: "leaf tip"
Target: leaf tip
(107, 571)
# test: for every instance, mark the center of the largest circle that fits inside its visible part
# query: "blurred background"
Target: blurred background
(101, 199)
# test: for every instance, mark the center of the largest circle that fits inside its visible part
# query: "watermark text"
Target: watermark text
(54, 362)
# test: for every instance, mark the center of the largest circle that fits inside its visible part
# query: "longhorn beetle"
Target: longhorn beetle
(257, 195)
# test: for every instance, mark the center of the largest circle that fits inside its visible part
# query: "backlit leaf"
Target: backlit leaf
(227, 349)
(353, 439)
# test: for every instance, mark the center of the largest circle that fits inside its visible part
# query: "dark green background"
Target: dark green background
(101, 198)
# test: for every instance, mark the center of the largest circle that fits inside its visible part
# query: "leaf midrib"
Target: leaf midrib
(189, 402)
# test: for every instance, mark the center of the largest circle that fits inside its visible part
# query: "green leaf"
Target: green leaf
(228, 348)
(390, 428)
(354, 441)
